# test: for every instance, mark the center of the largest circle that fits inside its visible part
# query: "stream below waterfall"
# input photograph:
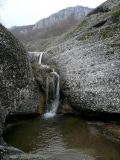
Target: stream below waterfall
(61, 138)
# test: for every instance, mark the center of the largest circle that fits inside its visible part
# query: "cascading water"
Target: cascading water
(40, 57)
(52, 88)
(40, 60)
(52, 94)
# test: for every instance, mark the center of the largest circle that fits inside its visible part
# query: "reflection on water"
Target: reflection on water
(64, 137)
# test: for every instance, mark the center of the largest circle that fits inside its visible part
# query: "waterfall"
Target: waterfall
(52, 94)
(40, 58)
(52, 86)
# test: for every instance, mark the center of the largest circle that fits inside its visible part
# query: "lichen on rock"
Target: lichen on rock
(88, 60)
(18, 89)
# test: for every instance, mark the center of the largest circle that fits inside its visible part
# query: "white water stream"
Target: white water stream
(40, 57)
(52, 97)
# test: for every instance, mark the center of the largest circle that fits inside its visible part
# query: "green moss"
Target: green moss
(115, 15)
(106, 33)
(50, 51)
(85, 36)
(116, 43)
(82, 24)
(68, 35)
(116, 12)
(34, 66)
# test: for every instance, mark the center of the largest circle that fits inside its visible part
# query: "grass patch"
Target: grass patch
(85, 36)
(106, 33)
(116, 12)
(115, 15)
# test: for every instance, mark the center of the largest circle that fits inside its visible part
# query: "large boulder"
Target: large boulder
(88, 59)
(18, 90)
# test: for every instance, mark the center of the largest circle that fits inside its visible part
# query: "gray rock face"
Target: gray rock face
(38, 36)
(77, 12)
(18, 90)
(88, 59)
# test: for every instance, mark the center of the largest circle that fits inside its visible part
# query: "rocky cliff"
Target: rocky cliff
(88, 59)
(78, 12)
(37, 37)
(18, 90)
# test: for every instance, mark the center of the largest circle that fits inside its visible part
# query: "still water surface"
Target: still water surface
(61, 138)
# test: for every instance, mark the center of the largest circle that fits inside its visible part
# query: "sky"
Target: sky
(25, 12)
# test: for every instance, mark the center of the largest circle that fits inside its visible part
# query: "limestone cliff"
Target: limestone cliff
(38, 36)
(78, 12)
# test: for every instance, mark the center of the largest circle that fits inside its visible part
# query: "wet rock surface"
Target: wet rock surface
(41, 73)
(88, 60)
(109, 130)
(6, 151)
